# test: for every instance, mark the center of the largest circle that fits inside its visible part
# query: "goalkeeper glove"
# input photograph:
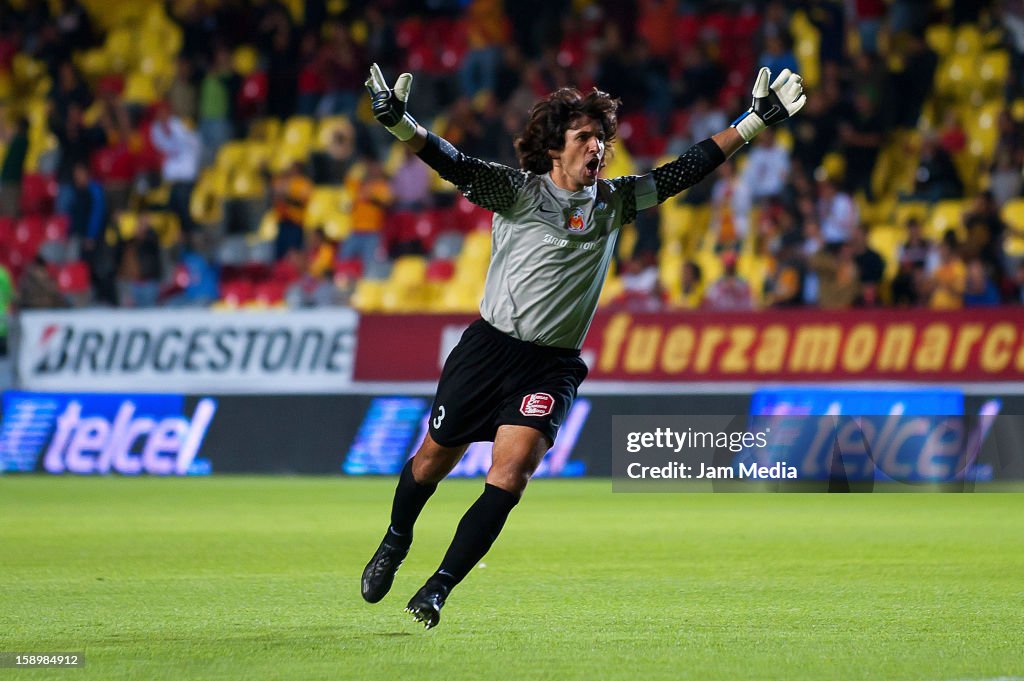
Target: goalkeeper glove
(389, 103)
(771, 105)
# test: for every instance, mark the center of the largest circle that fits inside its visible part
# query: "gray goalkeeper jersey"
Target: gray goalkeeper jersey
(550, 247)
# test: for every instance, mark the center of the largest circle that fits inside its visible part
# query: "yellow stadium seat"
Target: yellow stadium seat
(127, 222)
(329, 125)
(886, 240)
(368, 294)
(402, 299)
(710, 266)
(324, 203)
(267, 230)
(967, 40)
(994, 71)
(910, 209)
(245, 185)
(1013, 214)
(245, 59)
(337, 227)
(298, 132)
(121, 49)
(409, 271)
(167, 226)
(93, 63)
(140, 89)
(946, 215)
(940, 38)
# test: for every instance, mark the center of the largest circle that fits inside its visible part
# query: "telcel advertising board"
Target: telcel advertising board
(97, 434)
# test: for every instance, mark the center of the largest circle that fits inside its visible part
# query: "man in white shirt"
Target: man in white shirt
(180, 147)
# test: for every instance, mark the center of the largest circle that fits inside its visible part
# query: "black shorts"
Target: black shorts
(491, 379)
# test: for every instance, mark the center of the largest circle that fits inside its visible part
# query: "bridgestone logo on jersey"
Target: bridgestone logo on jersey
(537, 404)
(229, 352)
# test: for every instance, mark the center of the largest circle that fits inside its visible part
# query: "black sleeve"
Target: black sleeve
(489, 185)
(644, 191)
(693, 166)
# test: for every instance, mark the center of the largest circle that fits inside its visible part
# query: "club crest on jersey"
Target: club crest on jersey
(537, 404)
(576, 223)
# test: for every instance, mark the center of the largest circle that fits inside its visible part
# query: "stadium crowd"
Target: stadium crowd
(223, 152)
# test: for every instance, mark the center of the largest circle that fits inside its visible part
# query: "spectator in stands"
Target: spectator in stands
(837, 213)
(312, 81)
(860, 138)
(641, 290)
(913, 84)
(69, 90)
(730, 208)
(816, 130)
(282, 67)
(730, 292)
(410, 185)
(1005, 181)
(140, 266)
(77, 142)
(870, 267)
(345, 64)
(838, 279)
(986, 232)
(691, 287)
(778, 53)
(181, 150)
(936, 177)
(13, 168)
(486, 29)
(216, 93)
(785, 281)
(371, 200)
(88, 212)
(913, 260)
(291, 196)
(979, 288)
(196, 276)
(181, 93)
(37, 289)
(947, 282)
(320, 252)
(767, 168)
(7, 298)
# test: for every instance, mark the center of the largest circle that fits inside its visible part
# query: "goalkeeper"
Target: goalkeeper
(515, 372)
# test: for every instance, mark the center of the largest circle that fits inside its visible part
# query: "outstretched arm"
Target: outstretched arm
(771, 105)
(490, 185)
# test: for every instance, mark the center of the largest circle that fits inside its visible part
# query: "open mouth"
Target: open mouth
(593, 166)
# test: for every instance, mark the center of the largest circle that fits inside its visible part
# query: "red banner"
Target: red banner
(980, 344)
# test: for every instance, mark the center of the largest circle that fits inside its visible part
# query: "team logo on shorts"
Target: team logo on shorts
(576, 223)
(537, 404)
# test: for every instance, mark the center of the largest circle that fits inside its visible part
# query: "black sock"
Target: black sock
(477, 530)
(410, 498)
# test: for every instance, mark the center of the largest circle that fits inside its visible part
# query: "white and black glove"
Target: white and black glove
(771, 105)
(389, 103)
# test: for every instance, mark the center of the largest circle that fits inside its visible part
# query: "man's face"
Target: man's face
(579, 162)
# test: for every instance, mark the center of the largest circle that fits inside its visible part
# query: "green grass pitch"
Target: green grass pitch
(257, 578)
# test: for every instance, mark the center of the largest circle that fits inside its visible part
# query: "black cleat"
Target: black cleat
(426, 605)
(379, 573)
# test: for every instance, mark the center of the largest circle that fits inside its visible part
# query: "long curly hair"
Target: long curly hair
(556, 113)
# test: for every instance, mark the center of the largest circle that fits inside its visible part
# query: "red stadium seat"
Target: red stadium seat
(57, 227)
(237, 292)
(440, 270)
(37, 194)
(269, 292)
(469, 217)
(348, 270)
(73, 277)
(30, 232)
